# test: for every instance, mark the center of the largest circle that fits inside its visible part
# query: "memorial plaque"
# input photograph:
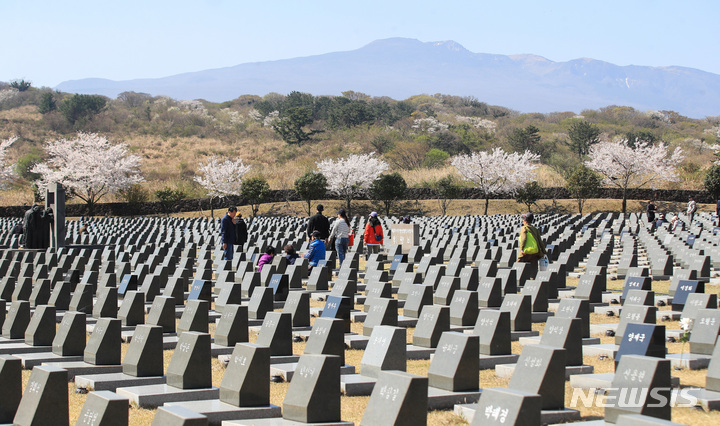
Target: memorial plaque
(338, 307)
(634, 314)
(684, 289)
(405, 235)
(397, 398)
(648, 379)
(281, 287)
(636, 283)
(201, 290)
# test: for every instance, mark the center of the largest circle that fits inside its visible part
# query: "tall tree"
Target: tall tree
(627, 167)
(388, 189)
(712, 181)
(351, 176)
(582, 183)
(526, 139)
(583, 135)
(89, 167)
(221, 178)
(447, 189)
(77, 109)
(311, 186)
(497, 171)
(529, 194)
(255, 190)
(291, 122)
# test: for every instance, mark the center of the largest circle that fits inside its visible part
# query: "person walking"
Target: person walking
(373, 236)
(651, 209)
(691, 209)
(340, 233)
(241, 233)
(531, 245)
(227, 233)
(318, 222)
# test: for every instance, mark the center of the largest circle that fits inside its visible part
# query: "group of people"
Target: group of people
(675, 221)
(233, 231)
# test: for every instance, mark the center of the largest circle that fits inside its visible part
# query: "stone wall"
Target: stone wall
(281, 195)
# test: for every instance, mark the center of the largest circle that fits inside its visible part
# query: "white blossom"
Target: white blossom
(221, 178)
(255, 115)
(351, 176)
(271, 118)
(625, 167)
(497, 171)
(8, 94)
(89, 166)
(7, 171)
(478, 122)
(429, 125)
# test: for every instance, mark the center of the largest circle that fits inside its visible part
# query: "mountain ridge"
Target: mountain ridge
(402, 67)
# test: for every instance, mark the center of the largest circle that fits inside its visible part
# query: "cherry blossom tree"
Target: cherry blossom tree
(7, 171)
(626, 167)
(496, 171)
(351, 176)
(221, 178)
(89, 167)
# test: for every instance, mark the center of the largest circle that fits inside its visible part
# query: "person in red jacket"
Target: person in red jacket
(373, 236)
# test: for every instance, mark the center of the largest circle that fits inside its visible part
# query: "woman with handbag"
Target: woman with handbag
(531, 247)
(373, 236)
(340, 235)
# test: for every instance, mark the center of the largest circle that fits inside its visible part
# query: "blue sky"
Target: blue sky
(50, 41)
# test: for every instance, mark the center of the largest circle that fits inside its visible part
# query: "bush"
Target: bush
(168, 197)
(435, 158)
(25, 164)
(712, 181)
(47, 103)
(135, 194)
(78, 109)
(311, 186)
(255, 190)
(388, 188)
(447, 189)
(529, 194)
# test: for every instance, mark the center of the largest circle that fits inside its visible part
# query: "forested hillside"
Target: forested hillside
(283, 136)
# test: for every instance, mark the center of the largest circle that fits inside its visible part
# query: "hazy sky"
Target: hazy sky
(50, 41)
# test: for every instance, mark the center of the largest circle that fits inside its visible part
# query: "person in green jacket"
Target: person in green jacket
(531, 247)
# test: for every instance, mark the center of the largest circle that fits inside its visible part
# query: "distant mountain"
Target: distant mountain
(400, 68)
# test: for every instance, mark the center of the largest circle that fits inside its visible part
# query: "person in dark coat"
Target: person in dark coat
(227, 233)
(318, 222)
(717, 212)
(241, 233)
(651, 209)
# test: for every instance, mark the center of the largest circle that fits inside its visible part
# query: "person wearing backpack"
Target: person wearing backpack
(531, 247)
(373, 236)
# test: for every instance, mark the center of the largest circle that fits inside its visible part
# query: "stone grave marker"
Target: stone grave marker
(41, 330)
(314, 393)
(103, 346)
(642, 339)
(281, 286)
(541, 370)
(195, 317)
(386, 350)
(107, 303)
(636, 283)
(70, 338)
(175, 288)
(190, 366)
(276, 333)
(565, 333)
(397, 398)
(129, 282)
(326, 338)
(433, 321)
(640, 297)
(384, 311)
(132, 309)
(40, 294)
(162, 313)
(464, 308)
(232, 326)
(420, 296)
(697, 301)
(538, 292)
(261, 303)
(500, 406)
(82, 299)
(705, 331)
(11, 389)
(318, 280)
(454, 366)
(520, 308)
(144, 357)
(469, 278)
(45, 400)
(684, 289)
(200, 290)
(590, 288)
(104, 408)
(18, 318)
(634, 314)
(245, 382)
(648, 378)
(576, 308)
(298, 306)
(493, 329)
(338, 307)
